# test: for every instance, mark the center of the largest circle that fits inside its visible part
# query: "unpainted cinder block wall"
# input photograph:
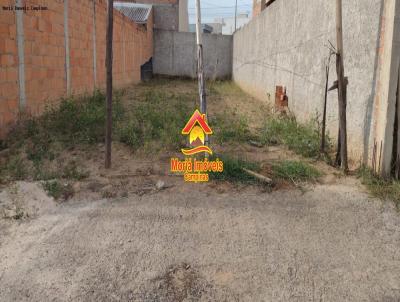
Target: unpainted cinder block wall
(52, 71)
(175, 54)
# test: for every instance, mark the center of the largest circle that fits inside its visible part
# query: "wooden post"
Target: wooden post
(341, 87)
(109, 57)
(200, 72)
(236, 15)
(397, 135)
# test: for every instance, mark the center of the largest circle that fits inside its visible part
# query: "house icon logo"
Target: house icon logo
(195, 169)
(197, 128)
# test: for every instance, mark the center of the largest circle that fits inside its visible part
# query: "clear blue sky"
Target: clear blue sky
(211, 9)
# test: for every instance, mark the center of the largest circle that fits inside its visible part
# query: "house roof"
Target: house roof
(137, 12)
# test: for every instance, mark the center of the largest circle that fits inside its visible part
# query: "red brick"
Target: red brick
(7, 17)
(10, 46)
(28, 73)
(12, 29)
(8, 117)
(9, 90)
(12, 74)
(7, 60)
(12, 104)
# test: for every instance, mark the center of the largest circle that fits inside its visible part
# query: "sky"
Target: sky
(211, 9)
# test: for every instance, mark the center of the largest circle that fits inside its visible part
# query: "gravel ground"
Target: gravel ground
(197, 243)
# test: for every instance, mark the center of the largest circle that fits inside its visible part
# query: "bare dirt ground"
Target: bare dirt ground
(207, 243)
(122, 237)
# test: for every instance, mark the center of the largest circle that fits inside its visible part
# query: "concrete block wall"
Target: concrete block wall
(287, 45)
(51, 70)
(388, 83)
(175, 54)
(166, 17)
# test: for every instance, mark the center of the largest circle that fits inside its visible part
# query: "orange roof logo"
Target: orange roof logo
(197, 127)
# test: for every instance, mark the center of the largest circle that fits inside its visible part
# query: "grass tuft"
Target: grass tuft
(73, 171)
(14, 169)
(39, 140)
(295, 171)
(155, 121)
(230, 127)
(379, 187)
(233, 170)
(57, 190)
(304, 139)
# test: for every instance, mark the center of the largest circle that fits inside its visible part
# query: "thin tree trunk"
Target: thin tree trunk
(341, 87)
(323, 132)
(338, 160)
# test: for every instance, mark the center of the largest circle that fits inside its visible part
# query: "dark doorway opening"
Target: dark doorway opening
(146, 71)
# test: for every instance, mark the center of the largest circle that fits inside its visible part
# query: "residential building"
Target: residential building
(168, 14)
(228, 24)
(213, 28)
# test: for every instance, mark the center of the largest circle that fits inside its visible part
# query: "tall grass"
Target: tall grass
(304, 139)
(233, 170)
(295, 171)
(386, 189)
(155, 121)
(36, 140)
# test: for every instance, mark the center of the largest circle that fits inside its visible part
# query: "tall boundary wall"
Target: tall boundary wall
(287, 45)
(60, 50)
(175, 54)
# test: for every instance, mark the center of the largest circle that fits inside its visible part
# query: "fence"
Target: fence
(175, 54)
(58, 49)
(288, 45)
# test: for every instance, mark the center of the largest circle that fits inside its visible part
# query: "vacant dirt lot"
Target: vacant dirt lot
(137, 233)
(207, 243)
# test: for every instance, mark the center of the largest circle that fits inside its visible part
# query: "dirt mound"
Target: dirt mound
(24, 200)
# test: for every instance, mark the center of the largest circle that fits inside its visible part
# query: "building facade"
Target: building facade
(168, 14)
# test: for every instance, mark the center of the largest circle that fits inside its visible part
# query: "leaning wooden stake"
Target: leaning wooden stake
(109, 42)
(341, 87)
(260, 177)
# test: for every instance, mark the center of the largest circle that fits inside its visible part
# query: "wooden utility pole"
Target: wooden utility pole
(109, 57)
(342, 87)
(236, 15)
(200, 71)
